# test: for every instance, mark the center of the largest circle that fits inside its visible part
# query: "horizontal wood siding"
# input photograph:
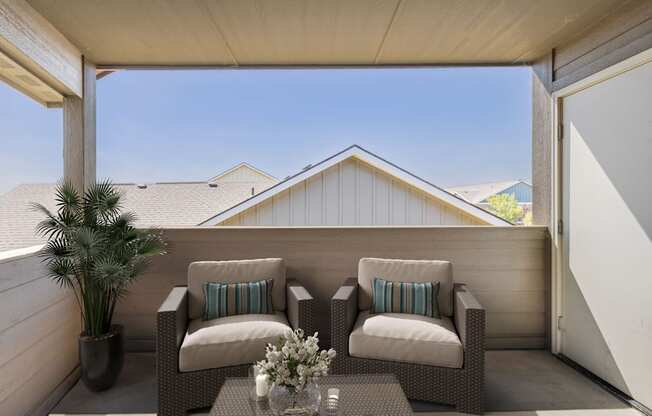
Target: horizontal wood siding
(39, 325)
(504, 266)
(352, 193)
(625, 32)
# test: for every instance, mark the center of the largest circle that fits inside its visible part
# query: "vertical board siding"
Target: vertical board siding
(298, 204)
(365, 188)
(39, 325)
(504, 266)
(521, 191)
(332, 195)
(352, 193)
(315, 200)
(381, 199)
(349, 192)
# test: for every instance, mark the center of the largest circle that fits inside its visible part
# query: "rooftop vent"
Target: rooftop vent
(212, 185)
(142, 186)
(286, 178)
(307, 167)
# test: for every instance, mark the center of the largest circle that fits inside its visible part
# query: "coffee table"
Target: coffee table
(360, 395)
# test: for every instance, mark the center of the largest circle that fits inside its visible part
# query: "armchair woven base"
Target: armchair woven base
(184, 391)
(179, 391)
(458, 387)
(461, 387)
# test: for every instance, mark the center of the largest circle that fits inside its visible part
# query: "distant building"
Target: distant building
(354, 188)
(166, 204)
(479, 194)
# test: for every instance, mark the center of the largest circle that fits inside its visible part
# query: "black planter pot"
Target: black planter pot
(101, 359)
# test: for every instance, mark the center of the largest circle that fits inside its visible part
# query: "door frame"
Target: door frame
(557, 256)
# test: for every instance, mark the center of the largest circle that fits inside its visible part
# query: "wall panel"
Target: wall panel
(505, 265)
(39, 325)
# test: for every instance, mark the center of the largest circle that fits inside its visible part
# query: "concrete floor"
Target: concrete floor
(518, 383)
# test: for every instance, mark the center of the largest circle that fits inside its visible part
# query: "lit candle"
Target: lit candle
(261, 385)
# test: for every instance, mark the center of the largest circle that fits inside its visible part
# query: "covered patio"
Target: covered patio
(519, 383)
(553, 345)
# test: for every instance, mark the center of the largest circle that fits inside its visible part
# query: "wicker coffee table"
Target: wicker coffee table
(360, 395)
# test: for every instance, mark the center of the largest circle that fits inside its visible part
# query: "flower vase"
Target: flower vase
(287, 401)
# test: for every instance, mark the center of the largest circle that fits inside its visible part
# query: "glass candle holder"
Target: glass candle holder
(259, 384)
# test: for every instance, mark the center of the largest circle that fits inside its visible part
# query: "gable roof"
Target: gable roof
(241, 171)
(477, 193)
(364, 155)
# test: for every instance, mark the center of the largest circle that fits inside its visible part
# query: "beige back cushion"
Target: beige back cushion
(419, 271)
(234, 271)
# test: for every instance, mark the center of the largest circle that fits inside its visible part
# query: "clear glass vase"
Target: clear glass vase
(287, 401)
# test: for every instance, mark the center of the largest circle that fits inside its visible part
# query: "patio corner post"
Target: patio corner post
(79, 132)
(542, 120)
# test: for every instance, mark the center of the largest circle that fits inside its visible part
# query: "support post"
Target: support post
(542, 107)
(79, 133)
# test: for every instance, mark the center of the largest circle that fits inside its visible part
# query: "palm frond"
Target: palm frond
(62, 271)
(51, 226)
(86, 242)
(56, 249)
(150, 245)
(103, 199)
(124, 220)
(67, 196)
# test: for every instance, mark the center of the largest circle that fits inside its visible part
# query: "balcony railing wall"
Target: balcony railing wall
(506, 267)
(39, 325)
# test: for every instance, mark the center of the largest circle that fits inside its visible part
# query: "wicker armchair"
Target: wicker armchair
(181, 389)
(460, 385)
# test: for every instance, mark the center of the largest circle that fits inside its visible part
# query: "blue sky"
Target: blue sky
(451, 126)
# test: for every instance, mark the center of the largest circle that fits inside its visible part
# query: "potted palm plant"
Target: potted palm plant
(94, 249)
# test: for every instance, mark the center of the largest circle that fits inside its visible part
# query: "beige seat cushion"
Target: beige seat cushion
(234, 271)
(232, 340)
(419, 271)
(406, 338)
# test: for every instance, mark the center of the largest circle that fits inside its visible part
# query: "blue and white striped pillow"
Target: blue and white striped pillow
(401, 297)
(226, 299)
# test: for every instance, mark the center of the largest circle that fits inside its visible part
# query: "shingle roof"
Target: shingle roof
(479, 192)
(156, 205)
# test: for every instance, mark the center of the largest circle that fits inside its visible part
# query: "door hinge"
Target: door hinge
(560, 227)
(560, 131)
(559, 322)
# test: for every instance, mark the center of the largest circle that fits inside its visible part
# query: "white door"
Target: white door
(607, 236)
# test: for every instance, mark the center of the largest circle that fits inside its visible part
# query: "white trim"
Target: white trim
(19, 253)
(557, 253)
(238, 166)
(373, 160)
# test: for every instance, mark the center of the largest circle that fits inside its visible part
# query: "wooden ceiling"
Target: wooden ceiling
(320, 32)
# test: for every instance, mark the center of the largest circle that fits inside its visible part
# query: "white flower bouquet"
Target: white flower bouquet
(295, 361)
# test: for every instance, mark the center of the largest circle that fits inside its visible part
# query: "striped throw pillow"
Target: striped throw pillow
(400, 297)
(226, 299)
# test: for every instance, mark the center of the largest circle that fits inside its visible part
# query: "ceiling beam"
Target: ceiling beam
(115, 67)
(32, 43)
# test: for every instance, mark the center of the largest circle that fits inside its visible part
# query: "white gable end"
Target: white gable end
(243, 173)
(354, 187)
(352, 193)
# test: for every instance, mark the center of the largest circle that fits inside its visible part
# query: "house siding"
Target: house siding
(352, 193)
(521, 191)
